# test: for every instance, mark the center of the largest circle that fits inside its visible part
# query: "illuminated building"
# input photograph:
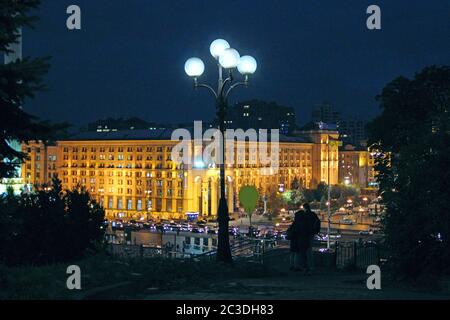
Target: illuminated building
(132, 175)
(356, 167)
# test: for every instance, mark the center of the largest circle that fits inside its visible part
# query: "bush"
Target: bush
(49, 226)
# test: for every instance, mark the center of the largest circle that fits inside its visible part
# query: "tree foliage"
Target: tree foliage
(49, 226)
(19, 79)
(412, 140)
(293, 198)
(275, 201)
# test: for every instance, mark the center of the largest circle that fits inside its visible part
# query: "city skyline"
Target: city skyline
(311, 54)
(224, 151)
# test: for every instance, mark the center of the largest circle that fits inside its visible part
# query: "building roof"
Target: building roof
(138, 134)
(297, 139)
(155, 134)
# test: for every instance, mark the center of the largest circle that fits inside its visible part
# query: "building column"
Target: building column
(214, 200)
(230, 196)
(204, 189)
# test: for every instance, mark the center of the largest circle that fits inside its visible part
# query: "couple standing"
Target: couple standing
(301, 233)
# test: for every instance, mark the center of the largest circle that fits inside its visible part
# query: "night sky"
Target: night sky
(128, 58)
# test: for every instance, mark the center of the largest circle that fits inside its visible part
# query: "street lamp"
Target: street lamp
(227, 58)
(334, 142)
(194, 67)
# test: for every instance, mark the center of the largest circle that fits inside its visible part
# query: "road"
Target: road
(361, 223)
(154, 238)
(348, 232)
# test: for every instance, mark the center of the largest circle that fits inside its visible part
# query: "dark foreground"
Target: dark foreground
(104, 277)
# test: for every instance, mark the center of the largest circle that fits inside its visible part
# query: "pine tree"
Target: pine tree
(19, 79)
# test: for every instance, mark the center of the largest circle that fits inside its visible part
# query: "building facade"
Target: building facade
(133, 175)
(356, 167)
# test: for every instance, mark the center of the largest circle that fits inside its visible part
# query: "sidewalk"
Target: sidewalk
(284, 284)
(332, 286)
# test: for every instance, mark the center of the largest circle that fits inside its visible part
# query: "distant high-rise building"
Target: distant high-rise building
(352, 131)
(255, 114)
(325, 112)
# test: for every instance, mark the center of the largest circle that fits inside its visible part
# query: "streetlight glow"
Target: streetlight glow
(247, 65)
(217, 47)
(229, 58)
(194, 67)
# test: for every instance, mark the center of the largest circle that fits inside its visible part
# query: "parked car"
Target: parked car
(346, 221)
(324, 237)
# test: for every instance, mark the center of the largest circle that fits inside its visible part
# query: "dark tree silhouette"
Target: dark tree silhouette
(19, 79)
(412, 135)
(49, 226)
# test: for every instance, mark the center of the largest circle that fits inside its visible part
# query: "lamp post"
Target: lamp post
(227, 58)
(330, 141)
(329, 195)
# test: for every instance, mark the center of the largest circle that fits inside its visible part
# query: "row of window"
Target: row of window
(120, 182)
(159, 192)
(37, 149)
(141, 205)
(150, 149)
(119, 149)
(122, 166)
(128, 174)
(102, 156)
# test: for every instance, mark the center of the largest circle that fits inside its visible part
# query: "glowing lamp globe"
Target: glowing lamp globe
(217, 47)
(247, 65)
(194, 67)
(229, 58)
